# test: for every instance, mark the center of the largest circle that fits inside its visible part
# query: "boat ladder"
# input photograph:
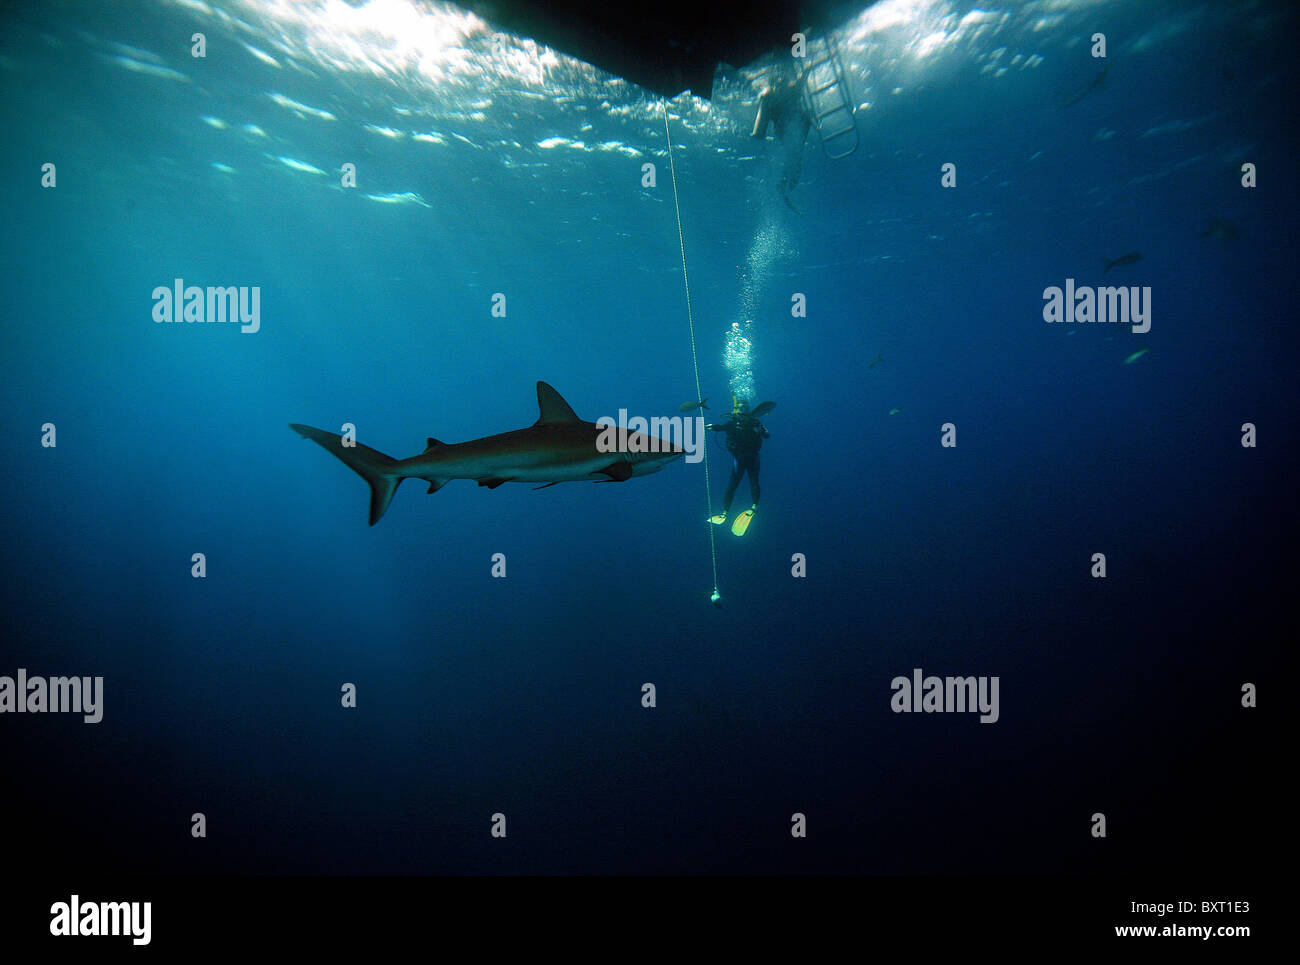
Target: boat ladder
(828, 99)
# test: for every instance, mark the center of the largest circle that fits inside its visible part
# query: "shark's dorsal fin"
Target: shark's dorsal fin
(433, 444)
(553, 408)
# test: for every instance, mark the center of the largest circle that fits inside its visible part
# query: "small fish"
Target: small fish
(1132, 258)
(895, 411)
(1218, 228)
(876, 361)
(1085, 90)
(692, 406)
(1136, 355)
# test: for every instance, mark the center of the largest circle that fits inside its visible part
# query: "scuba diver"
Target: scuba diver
(781, 105)
(744, 437)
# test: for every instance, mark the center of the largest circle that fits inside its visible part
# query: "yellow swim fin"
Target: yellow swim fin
(719, 519)
(742, 522)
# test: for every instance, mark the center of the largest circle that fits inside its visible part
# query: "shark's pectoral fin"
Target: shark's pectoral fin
(618, 471)
(492, 482)
(436, 484)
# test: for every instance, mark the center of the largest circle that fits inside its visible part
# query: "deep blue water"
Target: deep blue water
(520, 172)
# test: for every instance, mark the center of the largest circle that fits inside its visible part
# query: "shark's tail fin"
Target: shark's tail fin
(370, 464)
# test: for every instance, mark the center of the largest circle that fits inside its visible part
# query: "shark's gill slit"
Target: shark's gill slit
(716, 598)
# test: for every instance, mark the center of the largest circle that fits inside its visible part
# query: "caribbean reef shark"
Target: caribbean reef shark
(558, 447)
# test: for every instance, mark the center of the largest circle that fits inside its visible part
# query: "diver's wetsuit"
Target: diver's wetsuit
(745, 435)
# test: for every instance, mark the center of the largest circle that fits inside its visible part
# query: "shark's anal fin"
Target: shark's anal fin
(436, 484)
(618, 471)
(492, 482)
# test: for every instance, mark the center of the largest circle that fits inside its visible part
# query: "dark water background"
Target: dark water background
(521, 695)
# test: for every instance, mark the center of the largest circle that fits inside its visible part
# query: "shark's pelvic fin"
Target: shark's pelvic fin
(492, 482)
(618, 471)
(553, 408)
(370, 464)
